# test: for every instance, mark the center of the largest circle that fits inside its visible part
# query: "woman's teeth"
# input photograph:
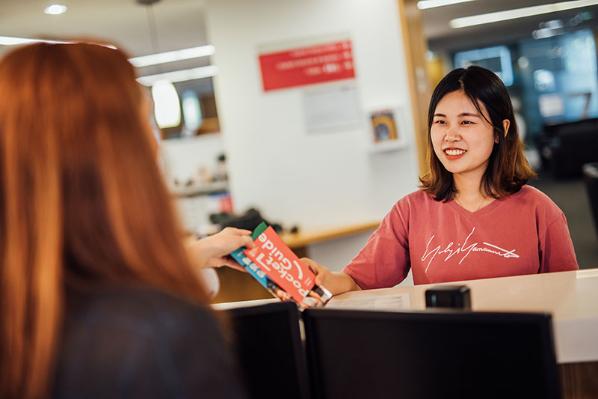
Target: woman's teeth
(454, 152)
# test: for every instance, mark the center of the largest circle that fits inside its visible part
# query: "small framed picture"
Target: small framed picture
(386, 129)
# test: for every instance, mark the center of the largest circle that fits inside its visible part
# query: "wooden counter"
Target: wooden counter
(571, 298)
(304, 239)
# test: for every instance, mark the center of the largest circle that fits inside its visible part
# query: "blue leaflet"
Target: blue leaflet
(251, 268)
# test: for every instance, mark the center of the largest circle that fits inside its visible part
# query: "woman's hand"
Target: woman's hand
(323, 274)
(335, 282)
(312, 300)
(213, 251)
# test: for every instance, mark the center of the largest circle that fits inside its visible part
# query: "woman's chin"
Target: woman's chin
(452, 168)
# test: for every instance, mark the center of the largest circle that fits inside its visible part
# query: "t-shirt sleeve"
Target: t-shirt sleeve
(384, 260)
(556, 249)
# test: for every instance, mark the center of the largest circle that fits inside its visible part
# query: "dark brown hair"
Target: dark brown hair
(508, 168)
(81, 198)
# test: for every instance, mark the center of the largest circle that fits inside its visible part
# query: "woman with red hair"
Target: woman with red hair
(98, 295)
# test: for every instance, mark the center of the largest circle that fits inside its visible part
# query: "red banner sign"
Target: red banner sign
(307, 65)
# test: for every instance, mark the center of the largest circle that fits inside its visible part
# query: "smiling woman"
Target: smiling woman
(471, 112)
(462, 138)
(474, 217)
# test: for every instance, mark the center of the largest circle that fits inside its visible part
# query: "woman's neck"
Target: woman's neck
(469, 186)
(469, 192)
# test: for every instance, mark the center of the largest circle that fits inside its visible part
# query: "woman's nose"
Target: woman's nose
(452, 135)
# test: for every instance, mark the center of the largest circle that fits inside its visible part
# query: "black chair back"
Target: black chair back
(425, 355)
(590, 172)
(569, 145)
(268, 345)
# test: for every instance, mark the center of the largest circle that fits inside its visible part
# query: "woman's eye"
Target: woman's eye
(439, 122)
(467, 122)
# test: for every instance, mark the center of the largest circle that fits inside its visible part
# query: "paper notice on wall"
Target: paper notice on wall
(331, 108)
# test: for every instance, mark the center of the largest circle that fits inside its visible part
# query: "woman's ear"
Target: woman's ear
(505, 126)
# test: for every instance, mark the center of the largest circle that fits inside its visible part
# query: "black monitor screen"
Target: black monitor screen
(430, 355)
(268, 346)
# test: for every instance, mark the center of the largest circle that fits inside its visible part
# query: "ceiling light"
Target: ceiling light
(425, 4)
(179, 76)
(191, 111)
(552, 24)
(544, 33)
(16, 41)
(549, 29)
(167, 110)
(55, 9)
(519, 13)
(13, 41)
(171, 56)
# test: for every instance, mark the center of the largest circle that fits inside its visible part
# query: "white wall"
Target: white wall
(316, 181)
(182, 158)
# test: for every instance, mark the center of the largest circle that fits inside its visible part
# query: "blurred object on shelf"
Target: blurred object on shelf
(190, 188)
(220, 171)
(249, 220)
(206, 181)
(225, 203)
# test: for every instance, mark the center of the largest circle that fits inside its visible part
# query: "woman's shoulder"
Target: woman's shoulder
(410, 206)
(416, 196)
(417, 199)
(532, 197)
(143, 342)
(529, 193)
(135, 309)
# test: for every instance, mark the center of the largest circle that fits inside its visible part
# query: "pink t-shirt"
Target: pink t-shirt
(524, 233)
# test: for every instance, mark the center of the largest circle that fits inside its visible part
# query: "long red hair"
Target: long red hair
(82, 199)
